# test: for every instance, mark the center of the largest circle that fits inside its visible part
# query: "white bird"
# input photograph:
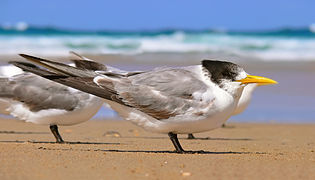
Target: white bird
(242, 103)
(166, 100)
(31, 98)
(245, 98)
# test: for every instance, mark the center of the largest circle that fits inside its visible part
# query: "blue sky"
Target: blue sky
(146, 14)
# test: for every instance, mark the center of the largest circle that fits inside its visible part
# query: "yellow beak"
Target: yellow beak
(257, 79)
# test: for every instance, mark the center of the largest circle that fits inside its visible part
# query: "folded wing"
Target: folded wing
(39, 94)
(161, 93)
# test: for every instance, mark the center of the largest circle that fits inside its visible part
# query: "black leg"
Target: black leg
(191, 136)
(54, 130)
(176, 143)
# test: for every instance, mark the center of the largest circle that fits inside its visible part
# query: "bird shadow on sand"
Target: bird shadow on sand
(169, 152)
(220, 139)
(21, 132)
(67, 142)
(200, 138)
(147, 151)
(228, 126)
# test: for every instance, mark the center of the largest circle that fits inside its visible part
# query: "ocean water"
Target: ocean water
(283, 44)
(292, 100)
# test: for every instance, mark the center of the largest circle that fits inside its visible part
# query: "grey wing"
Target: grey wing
(161, 94)
(103, 69)
(39, 94)
(171, 82)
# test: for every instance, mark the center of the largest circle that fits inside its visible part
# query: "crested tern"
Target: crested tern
(165, 100)
(34, 99)
(5, 72)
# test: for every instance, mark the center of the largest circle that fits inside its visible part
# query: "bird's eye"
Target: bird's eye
(229, 75)
(226, 74)
(233, 74)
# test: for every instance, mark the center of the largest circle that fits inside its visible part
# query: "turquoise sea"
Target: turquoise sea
(292, 100)
(285, 44)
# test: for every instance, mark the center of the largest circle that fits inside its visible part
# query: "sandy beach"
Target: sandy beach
(107, 149)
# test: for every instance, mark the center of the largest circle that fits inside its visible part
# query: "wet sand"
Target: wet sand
(103, 149)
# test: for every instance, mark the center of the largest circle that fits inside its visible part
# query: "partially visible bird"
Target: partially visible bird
(9, 70)
(242, 103)
(245, 98)
(5, 72)
(35, 99)
(166, 100)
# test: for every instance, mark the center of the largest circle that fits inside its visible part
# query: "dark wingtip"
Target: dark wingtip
(29, 56)
(22, 63)
(24, 55)
(29, 67)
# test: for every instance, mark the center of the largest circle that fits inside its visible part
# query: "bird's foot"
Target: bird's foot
(61, 142)
(191, 136)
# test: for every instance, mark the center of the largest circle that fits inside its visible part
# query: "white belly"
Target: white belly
(57, 116)
(179, 124)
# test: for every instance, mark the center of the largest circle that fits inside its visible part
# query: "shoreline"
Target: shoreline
(176, 59)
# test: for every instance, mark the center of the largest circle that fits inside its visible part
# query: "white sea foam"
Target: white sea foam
(262, 47)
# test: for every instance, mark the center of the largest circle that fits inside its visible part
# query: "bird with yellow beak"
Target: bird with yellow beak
(166, 100)
(243, 101)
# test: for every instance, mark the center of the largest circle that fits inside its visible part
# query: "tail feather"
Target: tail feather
(86, 63)
(79, 56)
(90, 65)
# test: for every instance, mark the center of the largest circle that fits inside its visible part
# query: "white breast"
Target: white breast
(245, 98)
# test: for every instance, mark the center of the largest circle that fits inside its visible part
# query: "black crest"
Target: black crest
(220, 70)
